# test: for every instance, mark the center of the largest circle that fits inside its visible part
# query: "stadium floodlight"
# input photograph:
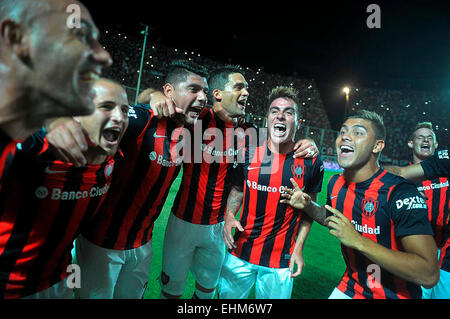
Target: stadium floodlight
(346, 90)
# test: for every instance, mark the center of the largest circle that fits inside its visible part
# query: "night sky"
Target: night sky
(328, 41)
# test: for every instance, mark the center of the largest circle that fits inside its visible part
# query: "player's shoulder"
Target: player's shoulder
(399, 186)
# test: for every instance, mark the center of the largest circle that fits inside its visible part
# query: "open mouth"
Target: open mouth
(241, 104)
(194, 111)
(346, 150)
(111, 135)
(425, 148)
(279, 129)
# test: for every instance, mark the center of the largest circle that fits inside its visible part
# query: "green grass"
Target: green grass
(323, 269)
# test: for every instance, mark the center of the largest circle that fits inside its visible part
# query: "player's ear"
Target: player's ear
(378, 147)
(410, 144)
(168, 90)
(217, 94)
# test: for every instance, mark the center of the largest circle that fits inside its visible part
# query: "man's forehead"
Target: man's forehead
(234, 78)
(424, 131)
(282, 103)
(108, 91)
(358, 122)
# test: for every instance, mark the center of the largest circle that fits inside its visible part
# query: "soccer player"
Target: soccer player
(265, 251)
(380, 219)
(193, 238)
(47, 68)
(115, 250)
(45, 203)
(423, 144)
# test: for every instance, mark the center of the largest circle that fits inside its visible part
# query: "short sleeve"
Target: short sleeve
(437, 165)
(409, 211)
(315, 182)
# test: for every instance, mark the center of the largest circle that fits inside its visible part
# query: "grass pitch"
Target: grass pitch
(323, 269)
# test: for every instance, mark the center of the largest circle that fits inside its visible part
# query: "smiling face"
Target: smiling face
(356, 144)
(282, 121)
(107, 125)
(423, 143)
(189, 95)
(234, 95)
(66, 62)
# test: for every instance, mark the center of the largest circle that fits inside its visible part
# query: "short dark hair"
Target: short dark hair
(375, 119)
(179, 70)
(420, 125)
(286, 92)
(220, 76)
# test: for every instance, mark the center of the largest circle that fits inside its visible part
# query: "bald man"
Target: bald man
(47, 67)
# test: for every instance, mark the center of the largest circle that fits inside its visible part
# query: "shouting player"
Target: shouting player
(423, 144)
(45, 202)
(265, 251)
(47, 68)
(380, 219)
(115, 250)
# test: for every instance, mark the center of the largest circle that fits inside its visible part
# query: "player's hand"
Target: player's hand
(305, 149)
(342, 228)
(295, 197)
(163, 106)
(296, 260)
(230, 223)
(69, 140)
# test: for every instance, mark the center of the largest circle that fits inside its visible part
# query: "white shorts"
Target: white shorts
(60, 290)
(188, 246)
(337, 294)
(239, 276)
(108, 273)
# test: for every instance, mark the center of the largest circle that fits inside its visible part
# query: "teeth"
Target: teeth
(346, 148)
(280, 126)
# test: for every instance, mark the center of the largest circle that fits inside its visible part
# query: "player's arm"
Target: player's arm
(297, 255)
(234, 203)
(414, 172)
(300, 200)
(306, 148)
(417, 263)
(161, 105)
(68, 140)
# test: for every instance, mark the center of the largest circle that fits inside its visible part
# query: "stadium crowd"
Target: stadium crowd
(401, 109)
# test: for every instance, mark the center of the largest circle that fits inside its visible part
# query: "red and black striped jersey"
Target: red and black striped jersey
(270, 227)
(140, 184)
(436, 192)
(7, 151)
(216, 146)
(44, 204)
(384, 209)
(437, 165)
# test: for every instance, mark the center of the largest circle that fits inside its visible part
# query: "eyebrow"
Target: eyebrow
(355, 126)
(288, 108)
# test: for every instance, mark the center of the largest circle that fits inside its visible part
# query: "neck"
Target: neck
(16, 118)
(222, 113)
(95, 155)
(416, 159)
(282, 148)
(361, 174)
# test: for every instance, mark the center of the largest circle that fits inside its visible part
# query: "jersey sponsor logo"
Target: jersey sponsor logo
(162, 161)
(415, 202)
(265, 188)
(369, 207)
(212, 151)
(297, 170)
(59, 194)
(432, 186)
(366, 229)
(443, 154)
